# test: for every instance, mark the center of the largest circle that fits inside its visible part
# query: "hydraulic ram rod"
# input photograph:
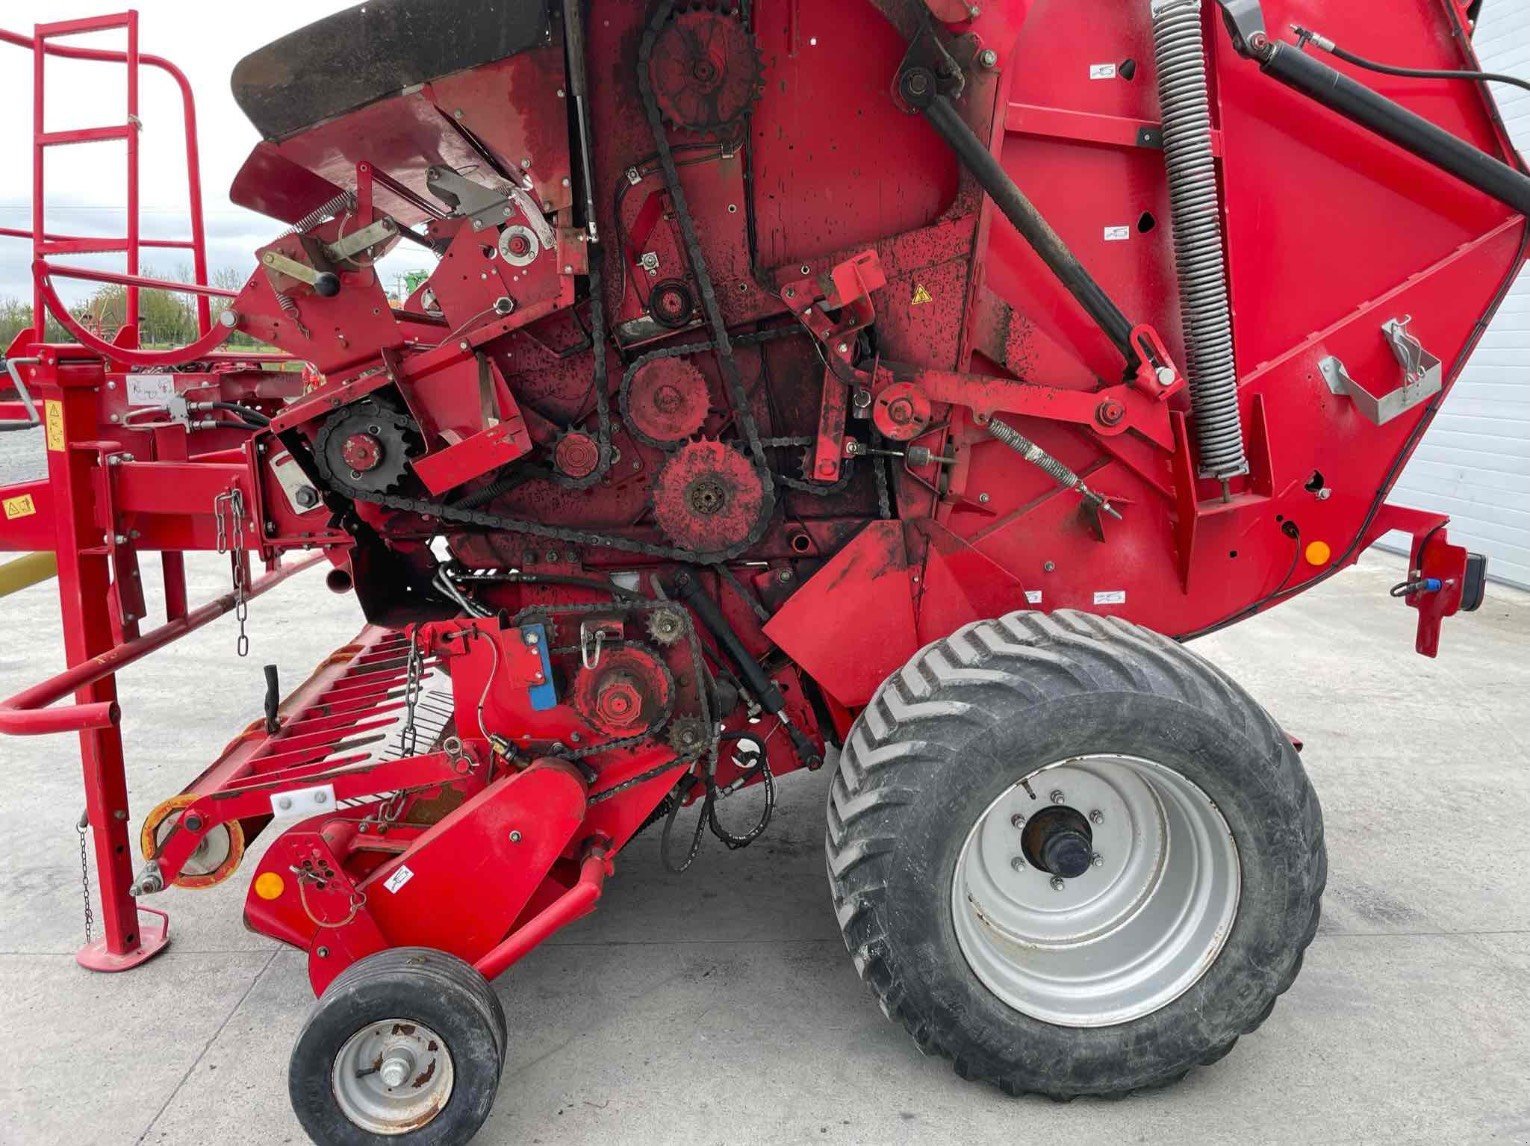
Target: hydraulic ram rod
(1359, 104)
(917, 86)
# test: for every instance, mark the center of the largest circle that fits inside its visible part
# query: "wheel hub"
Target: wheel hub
(1059, 840)
(1095, 891)
(392, 1076)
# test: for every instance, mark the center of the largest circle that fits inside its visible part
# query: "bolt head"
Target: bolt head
(1096, 817)
(1057, 796)
(983, 499)
(1097, 859)
(1017, 820)
(988, 57)
(515, 837)
(394, 1071)
(1018, 863)
(1058, 883)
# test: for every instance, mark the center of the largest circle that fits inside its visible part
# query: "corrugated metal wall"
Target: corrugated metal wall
(1474, 463)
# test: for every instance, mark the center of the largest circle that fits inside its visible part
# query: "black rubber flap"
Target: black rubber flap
(375, 50)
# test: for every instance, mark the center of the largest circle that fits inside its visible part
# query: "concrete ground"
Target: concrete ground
(721, 1005)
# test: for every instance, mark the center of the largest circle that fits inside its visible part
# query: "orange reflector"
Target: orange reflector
(1318, 553)
(269, 885)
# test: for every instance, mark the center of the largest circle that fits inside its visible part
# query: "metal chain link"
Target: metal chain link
(83, 827)
(408, 736)
(231, 541)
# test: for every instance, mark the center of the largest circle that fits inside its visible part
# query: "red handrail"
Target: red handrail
(198, 240)
(27, 713)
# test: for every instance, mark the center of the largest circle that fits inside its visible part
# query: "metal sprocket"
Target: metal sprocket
(706, 70)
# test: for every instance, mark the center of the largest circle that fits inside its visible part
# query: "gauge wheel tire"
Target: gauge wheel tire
(950, 736)
(423, 1001)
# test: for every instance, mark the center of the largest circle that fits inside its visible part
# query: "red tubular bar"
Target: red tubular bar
(27, 713)
(575, 903)
(198, 241)
(46, 270)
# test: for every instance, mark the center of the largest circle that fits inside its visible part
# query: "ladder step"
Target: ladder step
(83, 135)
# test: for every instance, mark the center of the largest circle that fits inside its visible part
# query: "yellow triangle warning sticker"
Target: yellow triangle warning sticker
(921, 295)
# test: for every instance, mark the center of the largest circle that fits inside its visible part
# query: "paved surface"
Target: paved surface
(721, 1005)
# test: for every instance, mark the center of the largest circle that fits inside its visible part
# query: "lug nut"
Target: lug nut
(1096, 817)
(1017, 820)
(1097, 859)
(1058, 883)
(1018, 863)
(1057, 796)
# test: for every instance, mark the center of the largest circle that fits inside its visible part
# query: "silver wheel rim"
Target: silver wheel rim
(392, 1077)
(1131, 934)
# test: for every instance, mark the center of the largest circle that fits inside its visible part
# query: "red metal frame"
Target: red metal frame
(42, 44)
(504, 827)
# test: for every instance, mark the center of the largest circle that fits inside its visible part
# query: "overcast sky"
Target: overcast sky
(86, 184)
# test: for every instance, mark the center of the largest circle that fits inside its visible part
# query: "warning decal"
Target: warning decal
(22, 506)
(921, 295)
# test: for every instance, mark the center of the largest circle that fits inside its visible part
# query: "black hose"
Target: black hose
(1349, 57)
(248, 415)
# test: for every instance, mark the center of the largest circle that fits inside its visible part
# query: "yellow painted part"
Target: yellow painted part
(1318, 553)
(26, 571)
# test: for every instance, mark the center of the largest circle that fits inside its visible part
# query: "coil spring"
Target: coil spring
(1199, 246)
(345, 201)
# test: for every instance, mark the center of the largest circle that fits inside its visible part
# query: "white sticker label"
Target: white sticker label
(1110, 597)
(150, 389)
(1033, 596)
(1102, 71)
(397, 880)
(1117, 234)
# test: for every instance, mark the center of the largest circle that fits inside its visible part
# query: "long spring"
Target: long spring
(1199, 245)
(341, 203)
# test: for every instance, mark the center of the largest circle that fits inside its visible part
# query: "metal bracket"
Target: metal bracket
(1423, 377)
(300, 803)
(1245, 23)
(360, 240)
(1421, 370)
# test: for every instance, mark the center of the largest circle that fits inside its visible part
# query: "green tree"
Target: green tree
(16, 316)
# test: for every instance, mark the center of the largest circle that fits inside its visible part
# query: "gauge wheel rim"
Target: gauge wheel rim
(359, 1077)
(1131, 934)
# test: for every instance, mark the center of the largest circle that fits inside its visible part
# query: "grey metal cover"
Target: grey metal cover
(375, 50)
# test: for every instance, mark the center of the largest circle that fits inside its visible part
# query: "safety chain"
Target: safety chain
(231, 541)
(414, 669)
(83, 827)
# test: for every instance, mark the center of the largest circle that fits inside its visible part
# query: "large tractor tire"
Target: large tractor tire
(1072, 856)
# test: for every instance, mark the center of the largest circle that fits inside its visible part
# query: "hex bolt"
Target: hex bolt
(320, 798)
(1018, 863)
(1017, 820)
(322, 952)
(1097, 859)
(1057, 796)
(515, 837)
(1096, 817)
(396, 1068)
(284, 802)
(988, 58)
(1058, 883)
(983, 499)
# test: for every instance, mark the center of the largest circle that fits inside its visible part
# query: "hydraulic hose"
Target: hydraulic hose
(1199, 243)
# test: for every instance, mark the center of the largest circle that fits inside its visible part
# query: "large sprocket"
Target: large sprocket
(707, 497)
(706, 71)
(666, 402)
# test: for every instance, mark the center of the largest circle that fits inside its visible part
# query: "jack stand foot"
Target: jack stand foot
(153, 937)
